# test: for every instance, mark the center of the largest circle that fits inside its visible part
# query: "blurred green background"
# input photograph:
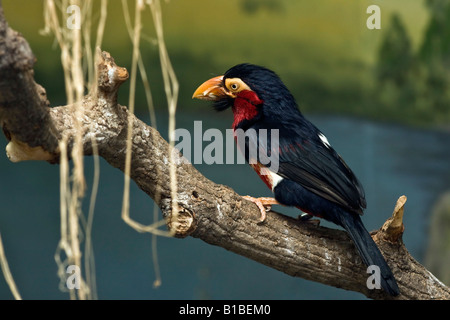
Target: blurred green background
(381, 96)
(322, 49)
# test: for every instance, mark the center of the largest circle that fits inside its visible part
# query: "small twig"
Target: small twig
(393, 228)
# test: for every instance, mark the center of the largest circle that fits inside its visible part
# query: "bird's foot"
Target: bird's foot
(264, 204)
(307, 218)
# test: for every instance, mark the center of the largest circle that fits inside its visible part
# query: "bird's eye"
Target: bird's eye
(234, 86)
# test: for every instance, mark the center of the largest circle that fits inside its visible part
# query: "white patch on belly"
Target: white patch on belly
(276, 179)
(271, 177)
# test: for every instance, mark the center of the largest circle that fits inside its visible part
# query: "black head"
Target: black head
(266, 84)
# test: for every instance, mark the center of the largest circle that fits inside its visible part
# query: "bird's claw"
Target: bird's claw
(264, 204)
(307, 218)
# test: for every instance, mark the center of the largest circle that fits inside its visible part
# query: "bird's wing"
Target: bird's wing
(308, 159)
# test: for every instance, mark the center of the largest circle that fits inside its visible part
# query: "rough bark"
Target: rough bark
(211, 212)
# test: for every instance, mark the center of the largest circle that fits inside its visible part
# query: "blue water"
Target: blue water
(389, 160)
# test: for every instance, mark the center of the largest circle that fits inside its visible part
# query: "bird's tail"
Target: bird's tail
(368, 250)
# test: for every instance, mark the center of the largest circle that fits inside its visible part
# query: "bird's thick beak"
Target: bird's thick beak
(211, 89)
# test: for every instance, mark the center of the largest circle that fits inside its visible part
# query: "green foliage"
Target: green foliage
(416, 86)
(395, 56)
(436, 43)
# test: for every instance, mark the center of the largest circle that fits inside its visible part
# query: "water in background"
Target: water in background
(389, 160)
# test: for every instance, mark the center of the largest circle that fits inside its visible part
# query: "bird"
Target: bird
(310, 174)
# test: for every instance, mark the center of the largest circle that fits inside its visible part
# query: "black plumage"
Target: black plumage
(310, 174)
(303, 156)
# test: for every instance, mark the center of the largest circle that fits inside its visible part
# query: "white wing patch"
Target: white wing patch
(276, 179)
(324, 140)
(273, 178)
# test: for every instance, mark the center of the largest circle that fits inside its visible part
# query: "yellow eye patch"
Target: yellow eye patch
(236, 85)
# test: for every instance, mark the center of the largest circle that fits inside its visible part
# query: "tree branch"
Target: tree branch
(211, 212)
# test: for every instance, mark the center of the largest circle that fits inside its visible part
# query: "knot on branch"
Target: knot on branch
(109, 76)
(181, 223)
